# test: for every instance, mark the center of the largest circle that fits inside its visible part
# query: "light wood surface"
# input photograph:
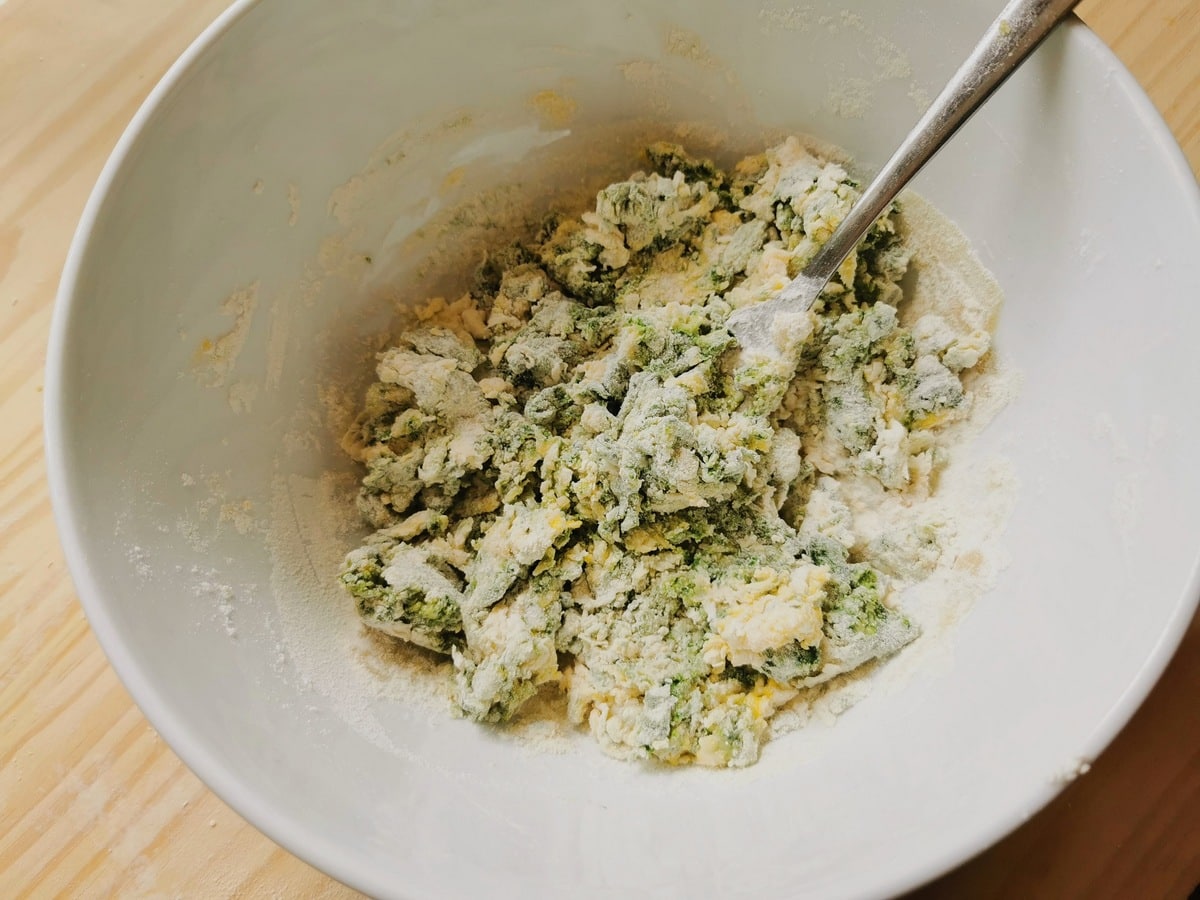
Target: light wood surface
(93, 803)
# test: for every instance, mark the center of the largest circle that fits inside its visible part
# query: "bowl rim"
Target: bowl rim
(310, 846)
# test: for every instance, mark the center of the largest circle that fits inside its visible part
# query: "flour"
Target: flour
(277, 341)
(686, 44)
(792, 18)
(293, 198)
(1133, 470)
(241, 396)
(223, 598)
(331, 654)
(215, 358)
(1074, 768)
(890, 61)
(240, 514)
(919, 97)
(140, 560)
(554, 110)
(850, 98)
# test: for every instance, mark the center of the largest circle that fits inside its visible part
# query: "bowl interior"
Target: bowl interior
(299, 176)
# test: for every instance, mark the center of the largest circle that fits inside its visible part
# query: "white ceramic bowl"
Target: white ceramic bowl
(1069, 186)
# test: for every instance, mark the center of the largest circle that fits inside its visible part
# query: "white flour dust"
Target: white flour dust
(216, 357)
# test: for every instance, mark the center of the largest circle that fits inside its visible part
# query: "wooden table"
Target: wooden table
(93, 803)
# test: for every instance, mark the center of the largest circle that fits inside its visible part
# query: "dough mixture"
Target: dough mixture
(577, 478)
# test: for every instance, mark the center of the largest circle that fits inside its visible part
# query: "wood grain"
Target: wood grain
(93, 804)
